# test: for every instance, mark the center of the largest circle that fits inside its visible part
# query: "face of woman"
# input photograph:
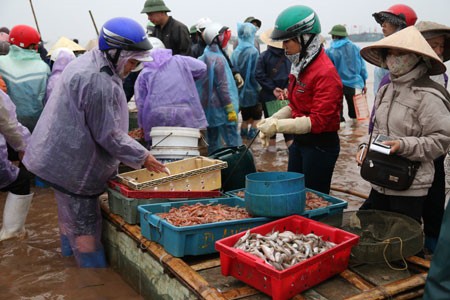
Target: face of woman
(292, 46)
(388, 28)
(438, 44)
(130, 66)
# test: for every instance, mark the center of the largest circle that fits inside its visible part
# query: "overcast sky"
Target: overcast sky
(71, 18)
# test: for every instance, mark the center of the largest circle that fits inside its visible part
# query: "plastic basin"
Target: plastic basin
(279, 205)
(274, 183)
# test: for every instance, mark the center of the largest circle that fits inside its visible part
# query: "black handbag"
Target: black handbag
(390, 171)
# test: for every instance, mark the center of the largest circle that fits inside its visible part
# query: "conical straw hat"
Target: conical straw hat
(410, 40)
(64, 42)
(430, 30)
(265, 37)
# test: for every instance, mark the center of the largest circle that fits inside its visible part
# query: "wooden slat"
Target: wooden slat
(356, 280)
(410, 295)
(392, 289)
(239, 293)
(348, 191)
(419, 261)
(212, 263)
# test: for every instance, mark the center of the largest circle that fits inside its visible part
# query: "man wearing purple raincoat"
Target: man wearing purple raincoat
(82, 136)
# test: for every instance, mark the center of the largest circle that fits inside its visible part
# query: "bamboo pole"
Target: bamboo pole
(35, 19)
(176, 266)
(392, 289)
(209, 264)
(410, 295)
(93, 22)
(242, 292)
(348, 191)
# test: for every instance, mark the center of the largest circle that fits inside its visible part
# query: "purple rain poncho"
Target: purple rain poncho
(63, 59)
(83, 131)
(244, 59)
(13, 133)
(165, 92)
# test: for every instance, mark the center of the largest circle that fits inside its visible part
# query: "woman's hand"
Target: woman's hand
(361, 154)
(154, 165)
(395, 145)
(280, 94)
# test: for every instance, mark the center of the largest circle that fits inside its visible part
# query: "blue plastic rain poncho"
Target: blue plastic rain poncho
(13, 133)
(83, 131)
(244, 59)
(64, 57)
(26, 77)
(165, 92)
(218, 88)
(348, 62)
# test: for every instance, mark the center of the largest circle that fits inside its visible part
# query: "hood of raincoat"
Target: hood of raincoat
(160, 57)
(339, 43)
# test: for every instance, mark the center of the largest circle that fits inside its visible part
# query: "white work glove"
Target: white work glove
(239, 80)
(283, 113)
(267, 128)
(299, 125)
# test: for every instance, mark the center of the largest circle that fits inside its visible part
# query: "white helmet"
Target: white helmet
(156, 43)
(201, 24)
(211, 31)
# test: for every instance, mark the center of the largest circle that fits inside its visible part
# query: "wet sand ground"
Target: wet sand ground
(33, 268)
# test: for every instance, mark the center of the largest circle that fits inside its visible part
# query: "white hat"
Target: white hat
(410, 40)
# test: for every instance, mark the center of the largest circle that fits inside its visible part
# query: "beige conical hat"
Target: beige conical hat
(64, 42)
(431, 30)
(409, 39)
(265, 38)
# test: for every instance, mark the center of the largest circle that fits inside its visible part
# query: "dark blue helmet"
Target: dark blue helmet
(123, 33)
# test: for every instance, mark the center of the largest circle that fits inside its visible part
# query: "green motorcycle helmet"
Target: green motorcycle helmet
(294, 21)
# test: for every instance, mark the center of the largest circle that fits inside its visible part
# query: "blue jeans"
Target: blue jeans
(316, 163)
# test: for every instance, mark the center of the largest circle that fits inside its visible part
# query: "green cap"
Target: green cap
(338, 30)
(154, 6)
(193, 29)
(253, 19)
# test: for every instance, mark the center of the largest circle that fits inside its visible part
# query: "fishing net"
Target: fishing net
(384, 236)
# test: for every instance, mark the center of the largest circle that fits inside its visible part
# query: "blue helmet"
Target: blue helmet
(123, 33)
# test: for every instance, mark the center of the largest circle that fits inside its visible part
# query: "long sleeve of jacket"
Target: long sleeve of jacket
(15, 134)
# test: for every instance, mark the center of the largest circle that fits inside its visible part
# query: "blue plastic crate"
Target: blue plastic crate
(337, 205)
(191, 240)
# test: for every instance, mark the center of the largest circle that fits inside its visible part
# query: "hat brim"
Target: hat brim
(408, 40)
(266, 39)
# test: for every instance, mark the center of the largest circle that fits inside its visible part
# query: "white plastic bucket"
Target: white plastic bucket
(175, 137)
(174, 153)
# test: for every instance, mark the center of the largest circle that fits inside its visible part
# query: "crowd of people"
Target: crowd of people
(69, 112)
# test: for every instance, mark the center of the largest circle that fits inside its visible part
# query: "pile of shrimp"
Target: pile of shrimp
(188, 215)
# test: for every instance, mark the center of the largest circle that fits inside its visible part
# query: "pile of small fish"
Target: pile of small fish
(196, 214)
(283, 249)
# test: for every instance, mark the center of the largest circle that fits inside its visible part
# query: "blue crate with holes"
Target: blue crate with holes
(196, 239)
(336, 205)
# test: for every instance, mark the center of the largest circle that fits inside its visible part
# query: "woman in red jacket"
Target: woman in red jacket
(315, 93)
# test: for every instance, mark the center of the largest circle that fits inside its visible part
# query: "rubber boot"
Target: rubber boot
(251, 133)
(14, 216)
(66, 249)
(92, 259)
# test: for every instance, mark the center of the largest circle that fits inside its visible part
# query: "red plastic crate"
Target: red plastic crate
(143, 194)
(286, 284)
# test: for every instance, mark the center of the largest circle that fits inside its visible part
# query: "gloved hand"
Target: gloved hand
(239, 80)
(283, 113)
(232, 116)
(268, 126)
(299, 125)
(264, 139)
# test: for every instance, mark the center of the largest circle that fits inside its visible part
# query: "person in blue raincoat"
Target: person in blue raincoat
(165, 91)
(351, 67)
(218, 91)
(244, 59)
(82, 136)
(14, 180)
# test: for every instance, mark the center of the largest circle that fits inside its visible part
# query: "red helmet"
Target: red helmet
(24, 36)
(398, 14)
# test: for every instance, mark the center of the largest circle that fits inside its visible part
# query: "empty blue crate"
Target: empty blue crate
(196, 239)
(336, 205)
